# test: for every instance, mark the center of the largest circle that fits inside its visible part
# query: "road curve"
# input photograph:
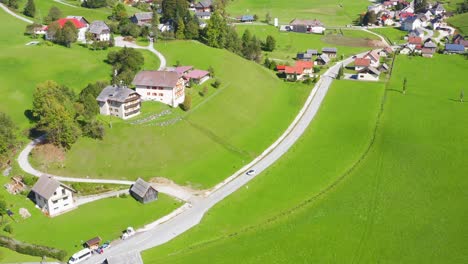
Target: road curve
(190, 217)
(120, 42)
(15, 15)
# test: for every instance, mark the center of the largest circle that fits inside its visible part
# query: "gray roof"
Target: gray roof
(305, 22)
(115, 93)
(98, 27)
(312, 51)
(304, 56)
(47, 185)
(204, 3)
(156, 78)
(247, 18)
(430, 44)
(370, 69)
(144, 16)
(332, 50)
(202, 14)
(324, 57)
(140, 187)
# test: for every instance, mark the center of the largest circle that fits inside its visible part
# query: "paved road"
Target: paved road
(15, 15)
(190, 217)
(120, 42)
(63, 3)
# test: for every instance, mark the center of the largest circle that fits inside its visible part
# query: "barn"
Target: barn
(143, 191)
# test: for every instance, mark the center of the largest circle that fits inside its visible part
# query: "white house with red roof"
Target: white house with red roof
(81, 26)
(300, 71)
(361, 63)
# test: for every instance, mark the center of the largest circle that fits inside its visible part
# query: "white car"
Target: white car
(128, 233)
(250, 172)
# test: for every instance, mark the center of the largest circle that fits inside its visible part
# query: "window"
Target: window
(161, 94)
(65, 198)
(54, 202)
(55, 208)
(65, 205)
(55, 193)
(155, 94)
(148, 93)
(64, 191)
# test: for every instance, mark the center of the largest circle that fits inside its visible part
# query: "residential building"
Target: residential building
(82, 28)
(385, 52)
(454, 49)
(197, 76)
(247, 19)
(203, 15)
(411, 23)
(167, 87)
(141, 19)
(323, 59)
(82, 19)
(331, 52)
(361, 63)
(368, 74)
(427, 53)
(416, 33)
(312, 52)
(307, 26)
(414, 43)
(300, 71)
(304, 56)
(143, 192)
(53, 197)
(438, 10)
(384, 67)
(204, 6)
(100, 31)
(119, 101)
(374, 57)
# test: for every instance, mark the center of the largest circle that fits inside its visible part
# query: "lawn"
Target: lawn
(104, 218)
(204, 147)
(404, 203)
(289, 43)
(393, 35)
(331, 12)
(10, 256)
(460, 22)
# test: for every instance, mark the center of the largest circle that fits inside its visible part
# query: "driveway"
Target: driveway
(120, 42)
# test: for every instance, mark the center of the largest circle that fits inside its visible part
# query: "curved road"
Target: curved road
(14, 14)
(120, 42)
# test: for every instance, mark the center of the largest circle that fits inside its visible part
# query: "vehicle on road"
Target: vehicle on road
(251, 172)
(80, 256)
(128, 233)
(105, 245)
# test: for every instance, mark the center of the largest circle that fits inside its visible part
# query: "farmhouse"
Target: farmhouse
(203, 15)
(374, 57)
(82, 19)
(300, 71)
(454, 49)
(427, 53)
(323, 59)
(143, 192)
(99, 31)
(119, 101)
(307, 26)
(330, 52)
(167, 87)
(197, 76)
(411, 23)
(361, 63)
(247, 19)
(82, 28)
(304, 56)
(385, 52)
(142, 18)
(53, 197)
(414, 43)
(369, 74)
(204, 6)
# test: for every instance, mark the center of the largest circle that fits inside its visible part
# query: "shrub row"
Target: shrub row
(31, 249)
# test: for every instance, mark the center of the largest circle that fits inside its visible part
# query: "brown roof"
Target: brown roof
(93, 242)
(156, 78)
(373, 54)
(47, 185)
(362, 62)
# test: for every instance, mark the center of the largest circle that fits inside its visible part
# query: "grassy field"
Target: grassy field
(102, 218)
(289, 43)
(393, 35)
(332, 12)
(460, 22)
(10, 256)
(404, 203)
(257, 104)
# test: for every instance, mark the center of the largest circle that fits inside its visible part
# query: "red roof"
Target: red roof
(362, 62)
(299, 67)
(280, 67)
(75, 22)
(414, 40)
(292, 70)
(305, 64)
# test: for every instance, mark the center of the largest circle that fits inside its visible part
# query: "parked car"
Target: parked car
(128, 233)
(251, 172)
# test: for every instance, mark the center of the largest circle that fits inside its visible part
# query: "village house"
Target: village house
(100, 31)
(384, 67)
(142, 18)
(454, 49)
(119, 101)
(304, 56)
(323, 59)
(167, 87)
(438, 10)
(52, 197)
(385, 52)
(300, 71)
(374, 57)
(416, 33)
(427, 53)
(82, 28)
(143, 192)
(361, 63)
(414, 43)
(307, 26)
(247, 19)
(459, 39)
(82, 19)
(330, 52)
(411, 23)
(203, 15)
(197, 76)
(204, 6)
(368, 74)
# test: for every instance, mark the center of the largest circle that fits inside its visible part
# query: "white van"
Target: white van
(80, 256)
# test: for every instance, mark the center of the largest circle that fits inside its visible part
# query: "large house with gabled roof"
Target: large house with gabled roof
(81, 26)
(167, 87)
(119, 101)
(52, 196)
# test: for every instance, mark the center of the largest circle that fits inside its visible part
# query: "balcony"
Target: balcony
(126, 107)
(132, 112)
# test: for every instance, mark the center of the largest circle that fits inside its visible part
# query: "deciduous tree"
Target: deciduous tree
(7, 133)
(30, 9)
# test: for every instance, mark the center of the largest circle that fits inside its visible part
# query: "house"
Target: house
(82, 19)
(167, 87)
(120, 101)
(416, 33)
(203, 15)
(375, 8)
(331, 52)
(361, 63)
(385, 52)
(411, 23)
(165, 27)
(93, 243)
(181, 70)
(141, 19)
(374, 57)
(307, 26)
(100, 31)
(438, 10)
(405, 51)
(454, 49)
(427, 52)
(300, 71)
(280, 68)
(204, 6)
(414, 42)
(368, 74)
(430, 45)
(247, 19)
(53, 197)
(82, 28)
(304, 56)
(384, 68)
(457, 39)
(197, 76)
(143, 192)
(312, 52)
(323, 59)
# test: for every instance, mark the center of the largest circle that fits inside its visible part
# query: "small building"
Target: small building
(374, 57)
(203, 15)
(141, 19)
(53, 197)
(304, 56)
(368, 74)
(81, 27)
(312, 52)
(197, 76)
(167, 87)
(307, 26)
(93, 243)
(247, 19)
(82, 19)
(323, 59)
(331, 52)
(411, 23)
(384, 68)
(181, 70)
(416, 33)
(439, 9)
(361, 63)
(204, 6)
(414, 43)
(427, 53)
(119, 101)
(385, 52)
(143, 192)
(454, 49)
(100, 31)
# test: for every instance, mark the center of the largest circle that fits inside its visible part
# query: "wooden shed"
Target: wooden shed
(93, 243)
(143, 191)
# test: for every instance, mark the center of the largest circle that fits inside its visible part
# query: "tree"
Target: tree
(216, 31)
(270, 43)
(94, 3)
(404, 86)
(174, 9)
(191, 28)
(268, 18)
(154, 25)
(180, 34)
(119, 12)
(30, 9)
(7, 133)
(53, 15)
(340, 73)
(69, 34)
(94, 129)
(369, 18)
(255, 17)
(3, 208)
(211, 71)
(53, 30)
(420, 6)
(187, 102)
(462, 95)
(13, 4)
(30, 29)
(126, 62)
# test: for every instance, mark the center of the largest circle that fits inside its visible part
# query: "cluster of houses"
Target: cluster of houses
(54, 198)
(166, 86)
(304, 26)
(304, 64)
(369, 66)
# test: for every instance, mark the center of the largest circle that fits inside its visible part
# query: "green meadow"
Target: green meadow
(393, 35)
(388, 189)
(460, 22)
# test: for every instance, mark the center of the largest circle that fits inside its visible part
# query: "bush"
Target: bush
(31, 249)
(30, 180)
(217, 83)
(8, 229)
